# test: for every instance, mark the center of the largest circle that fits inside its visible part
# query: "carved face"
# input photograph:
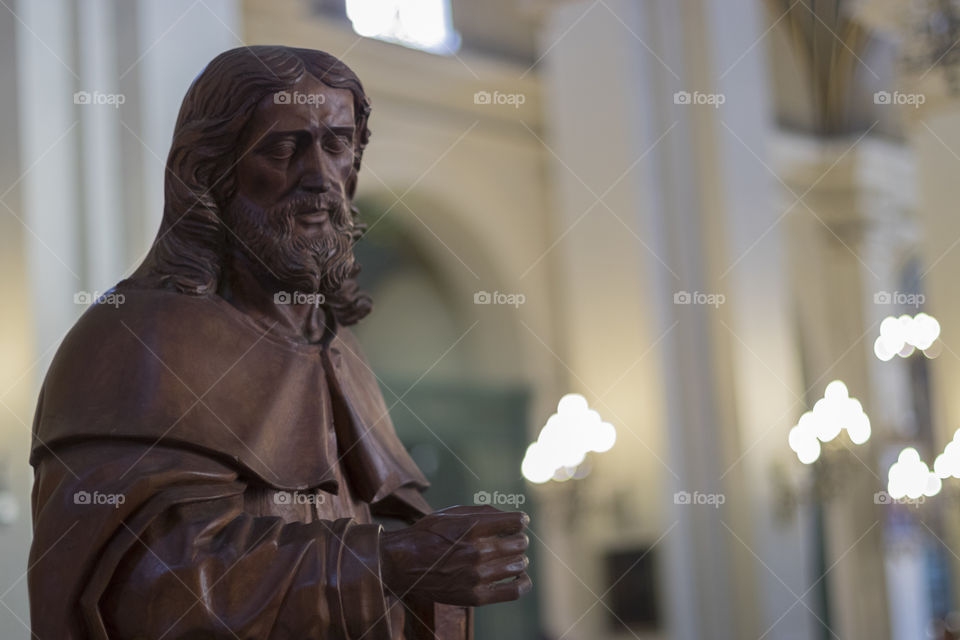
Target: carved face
(289, 212)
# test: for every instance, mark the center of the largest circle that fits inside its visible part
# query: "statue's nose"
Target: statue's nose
(315, 171)
(314, 180)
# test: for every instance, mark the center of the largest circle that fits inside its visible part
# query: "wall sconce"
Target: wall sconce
(565, 440)
(831, 414)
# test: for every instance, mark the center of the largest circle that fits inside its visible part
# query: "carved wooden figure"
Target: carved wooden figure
(212, 454)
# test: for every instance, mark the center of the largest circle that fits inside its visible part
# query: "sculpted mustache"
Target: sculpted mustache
(303, 205)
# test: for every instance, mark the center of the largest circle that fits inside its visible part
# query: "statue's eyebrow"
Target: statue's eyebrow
(340, 130)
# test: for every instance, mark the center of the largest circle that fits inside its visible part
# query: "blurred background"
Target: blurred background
(676, 277)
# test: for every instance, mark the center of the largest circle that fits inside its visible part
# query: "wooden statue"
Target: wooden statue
(212, 454)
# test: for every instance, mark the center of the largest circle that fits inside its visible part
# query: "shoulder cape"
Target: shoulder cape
(192, 371)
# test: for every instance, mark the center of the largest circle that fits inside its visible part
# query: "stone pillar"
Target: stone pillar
(686, 206)
(834, 287)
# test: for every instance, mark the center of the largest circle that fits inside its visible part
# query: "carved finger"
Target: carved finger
(503, 591)
(511, 545)
(501, 523)
(503, 568)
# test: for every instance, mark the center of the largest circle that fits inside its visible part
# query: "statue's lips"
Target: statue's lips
(313, 218)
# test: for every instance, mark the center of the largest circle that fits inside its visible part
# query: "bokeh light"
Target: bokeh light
(831, 414)
(565, 440)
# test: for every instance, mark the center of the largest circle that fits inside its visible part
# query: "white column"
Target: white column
(42, 259)
(935, 137)
(100, 184)
(177, 38)
(49, 150)
(833, 285)
(712, 400)
(745, 239)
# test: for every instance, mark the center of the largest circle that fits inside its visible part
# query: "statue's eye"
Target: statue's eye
(281, 150)
(336, 144)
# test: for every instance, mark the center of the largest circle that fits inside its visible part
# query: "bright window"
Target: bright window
(420, 24)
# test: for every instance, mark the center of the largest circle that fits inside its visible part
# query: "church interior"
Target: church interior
(673, 277)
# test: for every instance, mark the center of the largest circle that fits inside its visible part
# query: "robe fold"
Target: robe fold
(197, 476)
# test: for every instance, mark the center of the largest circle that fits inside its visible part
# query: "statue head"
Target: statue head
(261, 175)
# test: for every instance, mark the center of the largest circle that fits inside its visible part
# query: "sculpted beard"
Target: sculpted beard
(306, 263)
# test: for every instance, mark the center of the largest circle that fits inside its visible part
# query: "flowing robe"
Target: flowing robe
(197, 476)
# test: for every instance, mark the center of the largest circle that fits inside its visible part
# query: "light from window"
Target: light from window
(420, 24)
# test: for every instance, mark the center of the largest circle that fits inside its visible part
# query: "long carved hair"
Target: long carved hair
(188, 252)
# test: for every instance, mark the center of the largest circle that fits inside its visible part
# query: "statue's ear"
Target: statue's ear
(351, 186)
